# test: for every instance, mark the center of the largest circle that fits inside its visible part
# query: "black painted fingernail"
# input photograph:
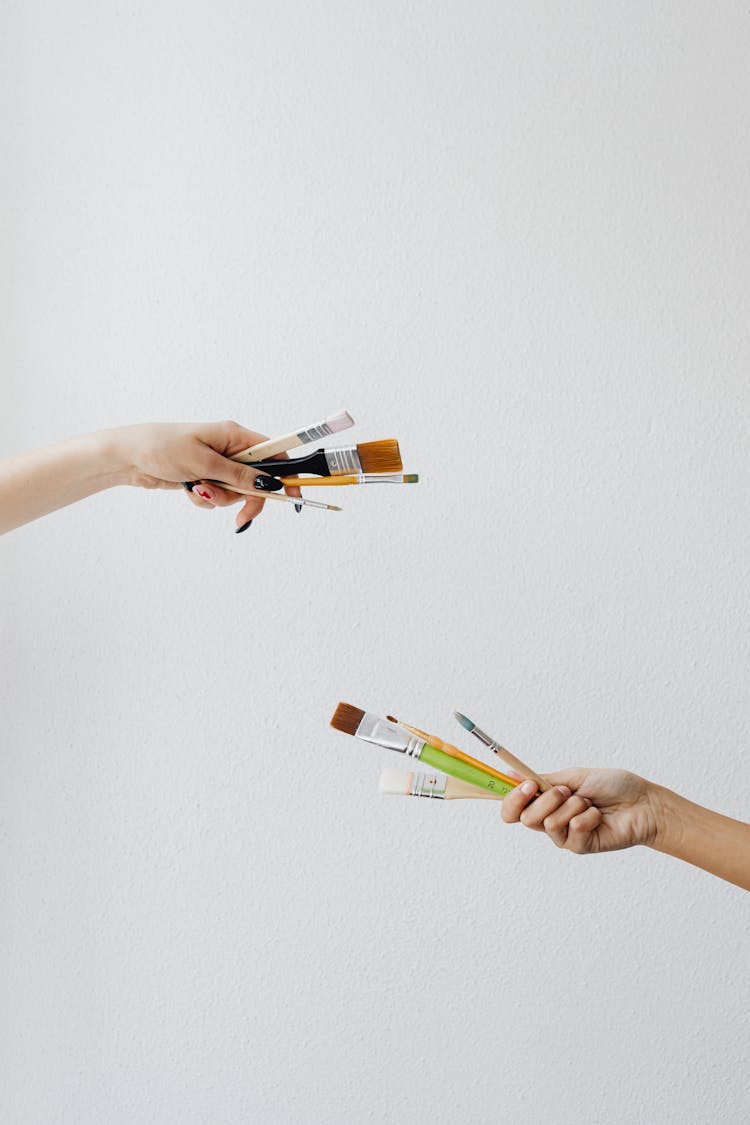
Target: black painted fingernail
(245, 526)
(268, 484)
(189, 485)
(298, 507)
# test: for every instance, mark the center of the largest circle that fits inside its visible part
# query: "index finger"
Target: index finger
(516, 801)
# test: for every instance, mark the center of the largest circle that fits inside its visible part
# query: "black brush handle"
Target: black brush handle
(263, 484)
(315, 463)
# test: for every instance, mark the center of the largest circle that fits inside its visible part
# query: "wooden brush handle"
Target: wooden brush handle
(521, 767)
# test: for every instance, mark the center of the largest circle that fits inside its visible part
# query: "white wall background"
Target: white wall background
(516, 236)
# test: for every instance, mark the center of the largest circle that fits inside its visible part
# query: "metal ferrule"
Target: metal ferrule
(382, 733)
(485, 738)
(314, 433)
(428, 785)
(380, 478)
(343, 460)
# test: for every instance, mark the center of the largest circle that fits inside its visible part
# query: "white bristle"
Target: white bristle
(338, 422)
(395, 782)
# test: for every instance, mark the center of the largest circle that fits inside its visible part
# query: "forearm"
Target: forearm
(704, 838)
(33, 484)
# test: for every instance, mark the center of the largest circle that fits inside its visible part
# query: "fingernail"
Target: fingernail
(203, 492)
(528, 787)
(267, 484)
(298, 507)
(245, 526)
(188, 484)
(564, 790)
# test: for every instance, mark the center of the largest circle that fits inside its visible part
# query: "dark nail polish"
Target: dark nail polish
(244, 527)
(298, 507)
(268, 484)
(189, 485)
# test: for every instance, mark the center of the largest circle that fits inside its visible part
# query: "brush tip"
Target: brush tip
(347, 718)
(391, 718)
(380, 456)
(411, 478)
(341, 421)
(465, 723)
(395, 782)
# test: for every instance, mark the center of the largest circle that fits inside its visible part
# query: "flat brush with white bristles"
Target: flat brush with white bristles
(400, 784)
(333, 425)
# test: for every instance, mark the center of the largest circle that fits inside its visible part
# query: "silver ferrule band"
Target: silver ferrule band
(343, 460)
(382, 733)
(485, 738)
(428, 785)
(314, 433)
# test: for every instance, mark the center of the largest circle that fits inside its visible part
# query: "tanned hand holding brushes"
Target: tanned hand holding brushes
(371, 462)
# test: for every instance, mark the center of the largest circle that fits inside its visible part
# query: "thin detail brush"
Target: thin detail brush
(333, 425)
(367, 457)
(371, 728)
(400, 784)
(449, 748)
(509, 759)
(296, 500)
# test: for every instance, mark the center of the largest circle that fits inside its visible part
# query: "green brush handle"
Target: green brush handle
(462, 770)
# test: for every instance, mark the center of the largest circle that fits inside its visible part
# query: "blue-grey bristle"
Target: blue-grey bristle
(465, 723)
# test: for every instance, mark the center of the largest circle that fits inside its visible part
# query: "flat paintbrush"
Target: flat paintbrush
(276, 496)
(434, 785)
(509, 759)
(333, 425)
(336, 460)
(353, 478)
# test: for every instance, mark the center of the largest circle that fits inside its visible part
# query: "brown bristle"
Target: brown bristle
(380, 456)
(391, 719)
(347, 718)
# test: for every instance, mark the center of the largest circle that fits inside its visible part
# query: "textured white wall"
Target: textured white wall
(516, 236)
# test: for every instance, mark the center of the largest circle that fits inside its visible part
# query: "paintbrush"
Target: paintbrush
(299, 500)
(400, 784)
(510, 759)
(449, 748)
(353, 478)
(371, 728)
(367, 457)
(333, 425)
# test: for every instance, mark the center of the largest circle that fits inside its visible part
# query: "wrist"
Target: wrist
(665, 817)
(677, 821)
(112, 453)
